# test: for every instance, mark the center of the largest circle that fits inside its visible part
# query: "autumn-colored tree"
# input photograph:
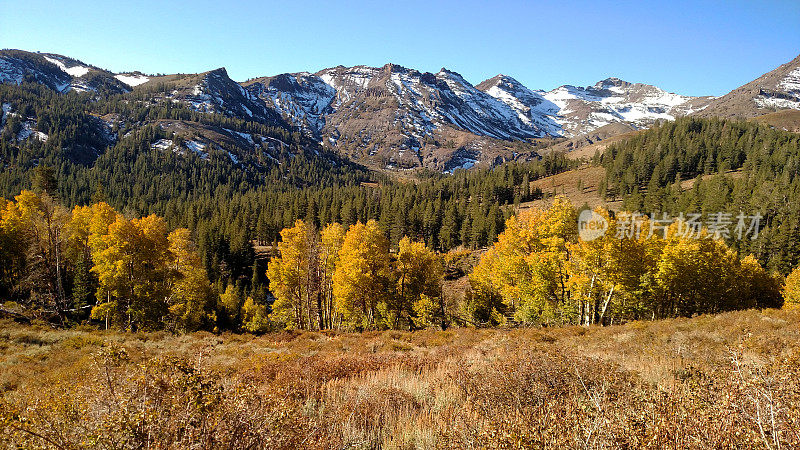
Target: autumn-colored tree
(527, 266)
(132, 266)
(791, 289)
(428, 312)
(34, 228)
(592, 278)
(419, 273)
(694, 275)
(756, 288)
(362, 279)
(86, 223)
(13, 246)
(230, 304)
(254, 316)
(190, 293)
(293, 276)
(331, 240)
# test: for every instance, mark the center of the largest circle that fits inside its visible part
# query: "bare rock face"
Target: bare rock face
(212, 92)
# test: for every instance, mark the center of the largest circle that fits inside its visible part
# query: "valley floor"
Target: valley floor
(730, 380)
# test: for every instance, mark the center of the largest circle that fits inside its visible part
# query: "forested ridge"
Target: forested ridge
(343, 247)
(740, 166)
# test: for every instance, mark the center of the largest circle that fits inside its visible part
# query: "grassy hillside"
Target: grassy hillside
(731, 380)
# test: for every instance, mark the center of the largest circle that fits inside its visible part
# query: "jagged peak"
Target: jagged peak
(612, 82)
(446, 73)
(219, 71)
(499, 80)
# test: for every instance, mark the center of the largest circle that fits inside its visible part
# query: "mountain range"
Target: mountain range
(397, 118)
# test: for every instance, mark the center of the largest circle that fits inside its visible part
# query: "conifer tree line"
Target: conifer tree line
(739, 167)
(134, 274)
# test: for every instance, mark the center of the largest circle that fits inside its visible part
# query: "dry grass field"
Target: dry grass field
(580, 186)
(724, 381)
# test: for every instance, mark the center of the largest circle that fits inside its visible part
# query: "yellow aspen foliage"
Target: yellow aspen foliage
(593, 279)
(791, 289)
(331, 240)
(190, 294)
(539, 272)
(37, 224)
(13, 244)
(88, 223)
(427, 311)
(527, 266)
(231, 304)
(419, 272)
(362, 279)
(131, 263)
(254, 316)
(756, 288)
(289, 277)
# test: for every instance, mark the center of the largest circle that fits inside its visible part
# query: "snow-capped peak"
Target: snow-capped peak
(584, 109)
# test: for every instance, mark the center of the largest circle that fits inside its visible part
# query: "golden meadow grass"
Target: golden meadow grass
(729, 380)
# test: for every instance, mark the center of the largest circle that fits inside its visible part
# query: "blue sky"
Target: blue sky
(689, 47)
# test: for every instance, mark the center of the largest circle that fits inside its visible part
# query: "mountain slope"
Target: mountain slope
(301, 98)
(210, 92)
(57, 72)
(775, 90)
(17, 66)
(530, 106)
(395, 117)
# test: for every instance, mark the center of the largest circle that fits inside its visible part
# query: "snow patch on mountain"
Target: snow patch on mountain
(75, 71)
(28, 130)
(6, 110)
(301, 98)
(787, 98)
(531, 106)
(132, 80)
(162, 144)
(777, 102)
(9, 73)
(198, 148)
(792, 81)
(787, 95)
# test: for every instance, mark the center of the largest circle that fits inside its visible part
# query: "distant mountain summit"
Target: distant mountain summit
(397, 117)
(393, 117)
(582, 110)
